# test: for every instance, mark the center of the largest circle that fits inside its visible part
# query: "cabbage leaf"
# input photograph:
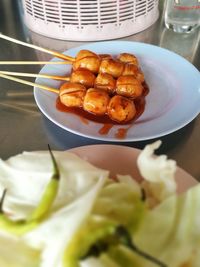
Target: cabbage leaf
(171, 231)
(158, 173)
(14, 252)
(25, 176)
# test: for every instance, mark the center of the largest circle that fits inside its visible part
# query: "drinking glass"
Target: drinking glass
(182, 15)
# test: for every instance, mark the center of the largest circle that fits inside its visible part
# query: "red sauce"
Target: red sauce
(106, 128)
(107, 123)
(121, 133)
(84, 114)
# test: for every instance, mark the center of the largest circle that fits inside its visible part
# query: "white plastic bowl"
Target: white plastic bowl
(89, 20)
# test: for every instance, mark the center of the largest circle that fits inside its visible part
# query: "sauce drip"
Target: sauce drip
(105, 129)
(107, 123)
(121, 133)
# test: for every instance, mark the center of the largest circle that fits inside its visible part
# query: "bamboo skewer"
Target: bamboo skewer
(46, 76)
(34, 62)
(44, 87)
(54, 53)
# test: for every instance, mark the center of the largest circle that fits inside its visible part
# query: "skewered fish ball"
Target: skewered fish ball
(85, 53)
(84, 77)
(96, 101)
(128, 58)
(72, 94)
(121, 109)
(129, 86)
(86, 59)
(105, 82)
(112, 67)
(131, 69)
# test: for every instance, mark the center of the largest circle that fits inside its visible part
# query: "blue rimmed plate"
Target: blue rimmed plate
(173, 100)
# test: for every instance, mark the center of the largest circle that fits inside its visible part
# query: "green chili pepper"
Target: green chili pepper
(120, 237)
(42, 210)
(16, 227)
(49, 195)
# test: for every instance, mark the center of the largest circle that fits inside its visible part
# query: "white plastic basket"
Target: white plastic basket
(89, 20)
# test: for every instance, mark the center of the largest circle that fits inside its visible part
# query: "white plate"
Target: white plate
(173, 101)
(123, 160)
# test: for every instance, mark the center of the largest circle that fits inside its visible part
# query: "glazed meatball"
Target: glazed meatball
(128, 58)
(86, 59)
(96, 101)
(105, 82)
(85, 53)
(72, 94)
(83, 76)
(129, 86)
(130, 69)
(121, 109)
(112, 67)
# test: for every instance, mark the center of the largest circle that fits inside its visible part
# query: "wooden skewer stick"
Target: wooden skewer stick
(44, 87)
(24, 74)
(34, 62)
(56, 54)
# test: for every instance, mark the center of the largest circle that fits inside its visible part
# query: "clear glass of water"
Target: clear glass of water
(182, 15)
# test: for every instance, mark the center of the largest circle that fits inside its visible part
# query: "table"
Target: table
(24, 128)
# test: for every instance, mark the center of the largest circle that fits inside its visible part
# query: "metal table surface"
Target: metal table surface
(24, 128)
